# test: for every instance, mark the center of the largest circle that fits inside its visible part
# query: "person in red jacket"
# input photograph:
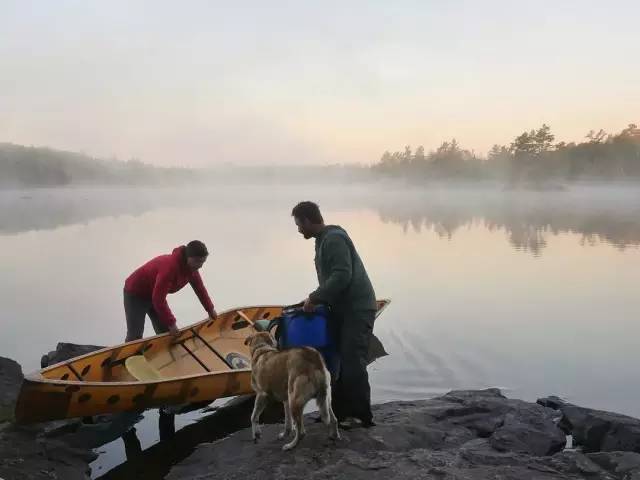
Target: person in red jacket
(146, 289)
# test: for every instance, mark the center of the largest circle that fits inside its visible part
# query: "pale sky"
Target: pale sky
(195, 83)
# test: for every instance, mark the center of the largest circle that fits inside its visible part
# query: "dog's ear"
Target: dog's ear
(247, 340)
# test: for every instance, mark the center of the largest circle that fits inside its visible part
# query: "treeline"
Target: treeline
(532, 157)
(22, 166)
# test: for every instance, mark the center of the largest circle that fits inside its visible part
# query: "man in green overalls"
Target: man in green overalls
(345, 286)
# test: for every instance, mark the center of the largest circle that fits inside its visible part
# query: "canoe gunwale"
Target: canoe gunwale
(187, 329)
(181, 331)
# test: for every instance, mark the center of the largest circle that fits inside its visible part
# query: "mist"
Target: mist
(595, 211)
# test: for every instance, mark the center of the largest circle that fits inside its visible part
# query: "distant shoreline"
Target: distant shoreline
(531, 162)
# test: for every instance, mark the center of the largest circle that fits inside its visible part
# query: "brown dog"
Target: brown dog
(293, 377)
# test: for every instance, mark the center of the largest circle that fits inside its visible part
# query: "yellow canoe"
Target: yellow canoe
(206, 361)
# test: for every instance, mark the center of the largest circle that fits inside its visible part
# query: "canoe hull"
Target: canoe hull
(44, 400)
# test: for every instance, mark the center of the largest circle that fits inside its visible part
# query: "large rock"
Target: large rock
(462, 435)
(65, 351)
(513, 425)
(39, 451)
(597, 430)
(10, 381)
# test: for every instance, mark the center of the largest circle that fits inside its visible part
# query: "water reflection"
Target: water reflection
(528, 219)
(176, 445)
(132, 445)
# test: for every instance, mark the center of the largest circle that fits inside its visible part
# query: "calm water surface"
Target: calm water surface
(534, 293)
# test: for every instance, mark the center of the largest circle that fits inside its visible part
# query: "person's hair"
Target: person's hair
(195, 248)
(308, 210)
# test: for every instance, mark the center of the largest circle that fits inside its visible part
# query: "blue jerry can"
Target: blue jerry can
(306, 329)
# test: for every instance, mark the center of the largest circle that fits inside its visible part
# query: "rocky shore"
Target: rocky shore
(464, 434)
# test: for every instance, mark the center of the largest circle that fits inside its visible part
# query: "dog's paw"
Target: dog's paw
(256, 436)
(283, 435)
(334, 435)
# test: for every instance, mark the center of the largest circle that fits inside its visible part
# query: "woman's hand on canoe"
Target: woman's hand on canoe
(173, 330)
(213, 315)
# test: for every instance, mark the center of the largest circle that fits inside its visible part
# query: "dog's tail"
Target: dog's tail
(327, 383)
(323, 378)
(323, 398)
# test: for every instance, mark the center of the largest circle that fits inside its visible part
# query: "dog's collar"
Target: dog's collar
(258, 352)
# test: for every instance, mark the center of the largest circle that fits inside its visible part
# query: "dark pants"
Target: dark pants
(351, 393)
(135, 311)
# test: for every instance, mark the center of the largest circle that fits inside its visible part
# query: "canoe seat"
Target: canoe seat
(261, 325)
(141, 369)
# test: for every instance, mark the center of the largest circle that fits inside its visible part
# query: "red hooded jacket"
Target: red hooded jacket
(163, 275)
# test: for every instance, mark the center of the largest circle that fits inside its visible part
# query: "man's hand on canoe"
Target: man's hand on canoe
(307, 306)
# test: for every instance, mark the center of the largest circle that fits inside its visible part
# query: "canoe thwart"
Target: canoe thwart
(244, 317)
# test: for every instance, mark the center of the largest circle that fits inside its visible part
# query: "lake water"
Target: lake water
(534, 293)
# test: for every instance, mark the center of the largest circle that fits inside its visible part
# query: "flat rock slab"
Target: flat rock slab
(462, 435)
(596, 430)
